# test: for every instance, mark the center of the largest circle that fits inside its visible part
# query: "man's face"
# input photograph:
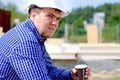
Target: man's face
(47, 21)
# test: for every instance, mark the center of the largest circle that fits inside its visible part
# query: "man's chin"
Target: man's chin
(49, 36)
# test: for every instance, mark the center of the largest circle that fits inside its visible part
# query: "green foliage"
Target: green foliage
(21, 16)
(109, 33)
(11, 7)
(60, 31)
(78, 23)
(115, 12)
(78, 38)
(87, 12)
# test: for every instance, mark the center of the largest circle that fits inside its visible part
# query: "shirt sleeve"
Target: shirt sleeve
(60, 74)
(56, 73)
(28, 63)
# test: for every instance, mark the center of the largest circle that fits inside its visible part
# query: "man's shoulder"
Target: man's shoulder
(25, 33)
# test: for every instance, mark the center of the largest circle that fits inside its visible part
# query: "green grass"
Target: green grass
(78, 38)
(109, 33)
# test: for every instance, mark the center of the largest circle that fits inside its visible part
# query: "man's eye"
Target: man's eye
(50, 16)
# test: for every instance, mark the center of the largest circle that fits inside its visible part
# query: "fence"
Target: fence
(109, 34)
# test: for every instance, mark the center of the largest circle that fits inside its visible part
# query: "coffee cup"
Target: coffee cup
(81, 69)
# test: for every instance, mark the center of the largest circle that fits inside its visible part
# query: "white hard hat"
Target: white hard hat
(57, 4)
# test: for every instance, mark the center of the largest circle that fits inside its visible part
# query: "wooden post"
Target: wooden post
(92, 33)
(1, 31)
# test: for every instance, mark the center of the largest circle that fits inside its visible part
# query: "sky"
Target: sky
(67, 4)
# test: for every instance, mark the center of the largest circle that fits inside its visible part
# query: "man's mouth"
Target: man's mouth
(52, 29)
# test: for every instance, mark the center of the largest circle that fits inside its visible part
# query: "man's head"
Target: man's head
(46, 20)
(45, 16)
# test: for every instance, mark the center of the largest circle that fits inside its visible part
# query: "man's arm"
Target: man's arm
(28, 63)
(55, 72)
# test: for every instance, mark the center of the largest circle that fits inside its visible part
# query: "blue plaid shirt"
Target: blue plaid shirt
(23, 56)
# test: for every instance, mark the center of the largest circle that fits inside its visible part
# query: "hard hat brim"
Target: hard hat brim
(56, 4)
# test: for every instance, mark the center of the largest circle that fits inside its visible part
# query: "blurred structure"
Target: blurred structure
(99, 21)
(55, 41)
(66, 33)
(5, 20)
(1, 31)
(16, 21)
(117, 33)
(92, 33)
(94, 26)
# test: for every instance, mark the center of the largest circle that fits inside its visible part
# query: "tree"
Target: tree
(115, 13)
(60, 31)
(11, 7)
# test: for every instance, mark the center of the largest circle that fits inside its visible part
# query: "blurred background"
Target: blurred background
(90, 34)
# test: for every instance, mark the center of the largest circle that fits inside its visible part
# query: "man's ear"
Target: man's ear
(32, 14)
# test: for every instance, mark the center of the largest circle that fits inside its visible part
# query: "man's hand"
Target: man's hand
(74, 73)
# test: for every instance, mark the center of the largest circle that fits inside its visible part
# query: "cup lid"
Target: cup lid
(80, 66)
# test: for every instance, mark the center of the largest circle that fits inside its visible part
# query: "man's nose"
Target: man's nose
(55, 21)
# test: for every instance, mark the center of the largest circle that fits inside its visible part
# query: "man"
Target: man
(16, 21)
(22, 52)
